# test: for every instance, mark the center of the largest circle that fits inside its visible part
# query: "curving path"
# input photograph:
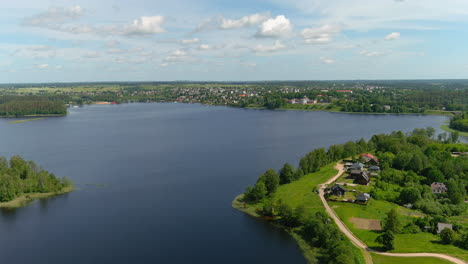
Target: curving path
(361, 244)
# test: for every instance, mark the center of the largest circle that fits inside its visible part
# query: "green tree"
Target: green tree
(392, 222)
(410, 195)
(387, 239)
(448, 236)
(286, 174)
(456, 191)
(271, 180)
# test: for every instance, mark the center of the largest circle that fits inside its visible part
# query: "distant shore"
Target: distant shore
(27, 198)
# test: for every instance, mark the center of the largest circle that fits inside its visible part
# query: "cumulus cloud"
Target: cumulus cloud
(327, 60)
(146, 25)
(393, 36)
(177, 56)
(276, 27)
(59, 19)
(245, 21)
(269, 48)
(321, 35)
(190, 41)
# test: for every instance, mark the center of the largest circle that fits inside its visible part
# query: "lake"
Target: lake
(154, 182)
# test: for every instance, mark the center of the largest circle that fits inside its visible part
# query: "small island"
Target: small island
(23, 181)
(400, 196)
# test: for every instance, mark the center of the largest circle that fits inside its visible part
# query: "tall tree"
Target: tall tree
(286, 174)
(392, 222)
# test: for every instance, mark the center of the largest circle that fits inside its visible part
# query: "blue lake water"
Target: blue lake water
(155, 181)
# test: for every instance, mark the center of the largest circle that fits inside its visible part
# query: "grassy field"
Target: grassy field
(25, 120)
(404, 243)
(302, 191)
(448, 129)
(29, 197)
(380, 259)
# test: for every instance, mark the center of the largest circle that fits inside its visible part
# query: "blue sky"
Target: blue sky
(155, 40)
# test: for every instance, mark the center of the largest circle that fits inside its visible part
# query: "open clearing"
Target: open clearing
(367, 224)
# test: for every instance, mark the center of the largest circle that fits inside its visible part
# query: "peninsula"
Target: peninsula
(394, 196)
(23, 181)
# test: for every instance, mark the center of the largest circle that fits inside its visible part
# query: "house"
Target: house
(348, 164)
(438, 187)
(442, 226)
(363, 178)
(337, 190)
(363, 197)
(355, 173)
(369, 158)
(357, 166)
(374, 168)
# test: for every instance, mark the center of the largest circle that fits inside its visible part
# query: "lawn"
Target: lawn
(302, 191)
(404, 243)
(380, 259)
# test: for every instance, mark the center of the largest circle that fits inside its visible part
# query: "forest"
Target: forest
(18, 177)
(15, 106)
(410, 163)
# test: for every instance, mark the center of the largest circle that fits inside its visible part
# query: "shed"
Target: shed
(442, 226)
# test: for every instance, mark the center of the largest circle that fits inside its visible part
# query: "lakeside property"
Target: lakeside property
(417, 210)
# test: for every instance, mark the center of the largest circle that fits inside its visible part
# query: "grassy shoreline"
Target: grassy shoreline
(27, 198)
(448, 129)
(303, 193)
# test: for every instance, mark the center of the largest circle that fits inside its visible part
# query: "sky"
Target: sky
(225, 40)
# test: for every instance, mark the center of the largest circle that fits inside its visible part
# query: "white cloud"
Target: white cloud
(42, 66)
(204, 47)
(393, 36)
(327, 60)
(178, 56)
(54, 16)
(368, 53)
(146, 25)
(245, 21)
(269, 48)
(190, 41)
(321, 35)
(276, 27)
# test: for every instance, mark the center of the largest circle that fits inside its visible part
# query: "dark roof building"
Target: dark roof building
(374, 168)
(337, 190)
(357, 166)
(363, 178)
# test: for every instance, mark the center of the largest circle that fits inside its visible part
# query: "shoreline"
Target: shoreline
(446, 128)
(27, 198)
(308, 252)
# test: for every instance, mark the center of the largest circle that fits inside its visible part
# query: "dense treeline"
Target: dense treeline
(31, 105)
(18, 177)
(460, 122)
